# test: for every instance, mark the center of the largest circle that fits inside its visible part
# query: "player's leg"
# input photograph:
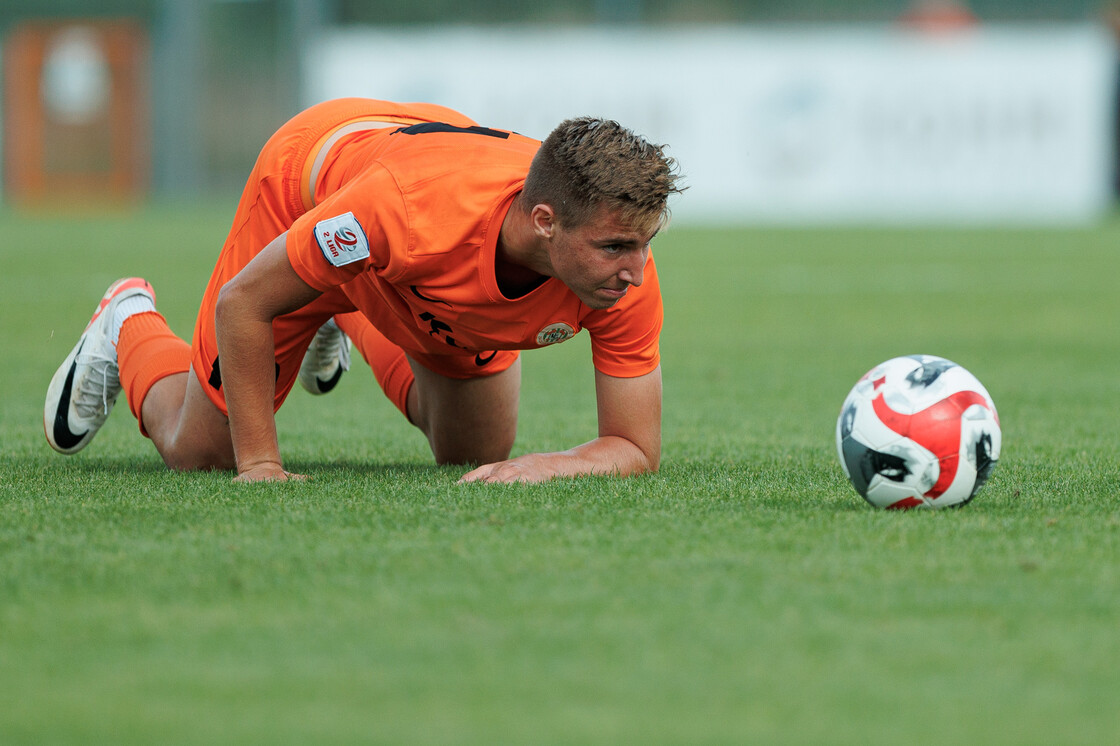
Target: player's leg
(143, 357)
(186, 428)
(183, 413)
(467, 420)
(188, 431)
(387, 360)
(127, 346)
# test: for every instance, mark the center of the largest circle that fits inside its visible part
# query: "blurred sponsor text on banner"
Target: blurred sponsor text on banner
(789, 125)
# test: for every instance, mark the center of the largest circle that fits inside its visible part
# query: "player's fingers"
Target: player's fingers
(505, 472)
(267, 473)
(477, 475)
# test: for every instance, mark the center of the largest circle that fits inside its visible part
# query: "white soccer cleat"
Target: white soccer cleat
(325, 360)
(83, 391)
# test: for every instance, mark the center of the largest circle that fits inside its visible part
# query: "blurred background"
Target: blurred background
(779, 111)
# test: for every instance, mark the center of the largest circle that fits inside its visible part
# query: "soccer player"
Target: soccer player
(441, 248)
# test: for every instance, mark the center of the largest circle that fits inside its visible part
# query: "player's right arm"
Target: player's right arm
(266, 288)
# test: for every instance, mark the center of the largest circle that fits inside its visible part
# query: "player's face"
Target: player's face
(600, 259)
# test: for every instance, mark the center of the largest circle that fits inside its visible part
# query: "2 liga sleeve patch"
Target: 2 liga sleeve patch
(342, 239)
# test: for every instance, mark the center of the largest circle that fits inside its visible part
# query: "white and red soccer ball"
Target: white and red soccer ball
(918, 432)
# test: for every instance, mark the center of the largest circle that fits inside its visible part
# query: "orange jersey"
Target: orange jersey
(405, 224)
(394, 210)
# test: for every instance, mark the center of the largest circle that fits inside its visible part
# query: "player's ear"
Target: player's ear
(543, 219)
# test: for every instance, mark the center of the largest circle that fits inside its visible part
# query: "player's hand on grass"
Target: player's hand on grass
(267, 472)
(533, 467)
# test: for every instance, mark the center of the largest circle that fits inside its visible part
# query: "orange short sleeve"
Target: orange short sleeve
(350, 231)
(625, 339)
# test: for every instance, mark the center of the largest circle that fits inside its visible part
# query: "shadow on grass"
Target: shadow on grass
(148, 467)
(781, 484)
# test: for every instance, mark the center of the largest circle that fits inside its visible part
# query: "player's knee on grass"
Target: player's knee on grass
(195, 460)
(455, 449)
(467, 421)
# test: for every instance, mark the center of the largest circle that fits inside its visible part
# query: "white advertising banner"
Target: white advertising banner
(828, 125)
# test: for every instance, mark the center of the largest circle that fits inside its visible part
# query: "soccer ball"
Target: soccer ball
(918, 432)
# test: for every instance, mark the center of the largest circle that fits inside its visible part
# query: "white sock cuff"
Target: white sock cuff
(129, 307)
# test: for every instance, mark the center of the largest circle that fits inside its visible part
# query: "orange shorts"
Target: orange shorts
(279, 190)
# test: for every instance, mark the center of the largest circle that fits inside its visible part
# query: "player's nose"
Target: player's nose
(632, 273)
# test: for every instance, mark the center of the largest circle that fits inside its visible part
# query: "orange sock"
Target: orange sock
(147, 351)
(390, 367)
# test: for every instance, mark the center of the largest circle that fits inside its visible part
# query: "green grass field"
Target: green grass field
(745, 594)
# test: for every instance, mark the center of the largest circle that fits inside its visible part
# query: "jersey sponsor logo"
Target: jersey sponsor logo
(439, 329)
(555, 333)
(480, 361)
(423, 297)
(342, 239)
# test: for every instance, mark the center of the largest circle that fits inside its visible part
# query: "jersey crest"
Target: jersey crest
(555, 333)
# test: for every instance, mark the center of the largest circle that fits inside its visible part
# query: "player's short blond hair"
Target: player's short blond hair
(588, 163)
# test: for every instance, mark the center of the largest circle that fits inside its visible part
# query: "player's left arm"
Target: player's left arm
(629, 439)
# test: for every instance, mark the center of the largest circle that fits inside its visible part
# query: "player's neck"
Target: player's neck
(518, 265)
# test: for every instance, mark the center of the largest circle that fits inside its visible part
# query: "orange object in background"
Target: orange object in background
(75, 113)
(938, 16)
